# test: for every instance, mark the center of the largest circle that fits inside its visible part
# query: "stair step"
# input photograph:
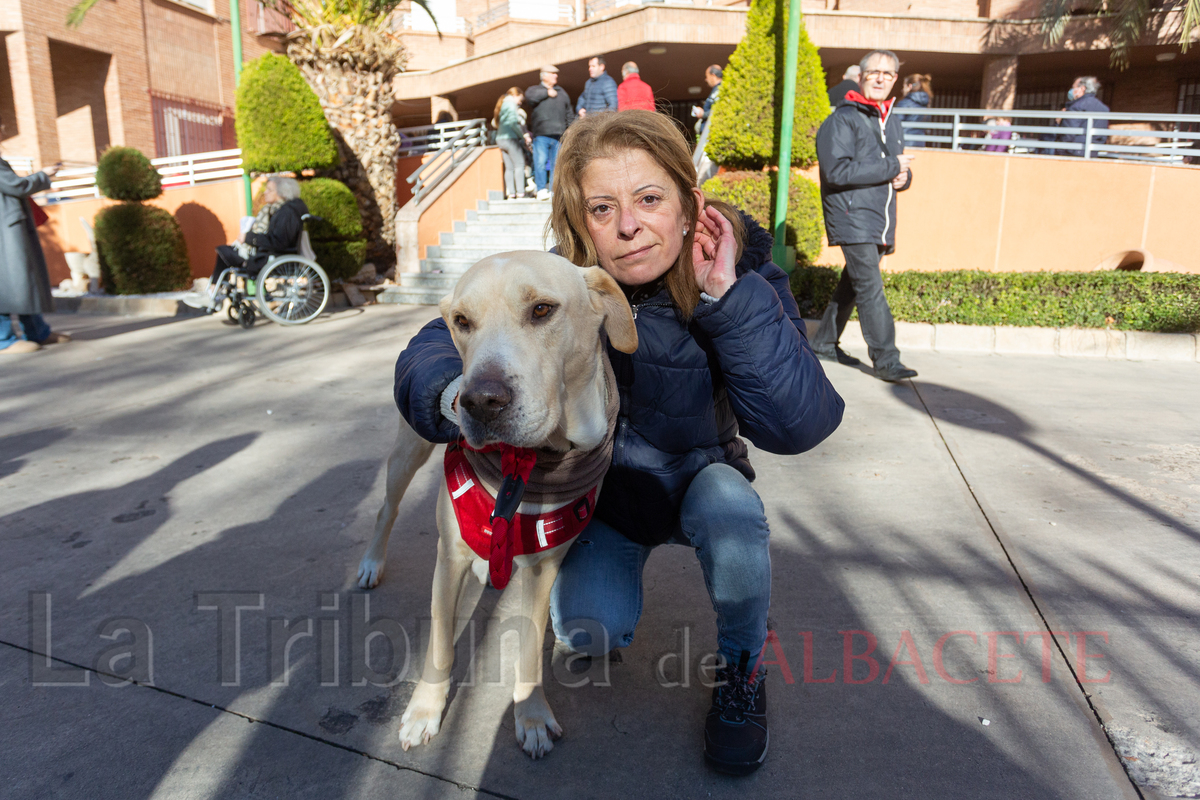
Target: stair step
(426, 280)
(499, 228)
(492, 218)
(496, 244)
(470, 253)
(445, 266)
(518, 207)
(412, 296)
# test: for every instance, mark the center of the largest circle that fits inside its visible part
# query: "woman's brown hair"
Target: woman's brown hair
(512, 92)
(606, 136)
(916, 82)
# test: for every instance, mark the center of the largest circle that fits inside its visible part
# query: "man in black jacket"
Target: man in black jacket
(849, 84)
(550, 112)
(860, 149)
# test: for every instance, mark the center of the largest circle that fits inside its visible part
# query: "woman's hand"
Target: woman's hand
(52, 170)
(713, 253)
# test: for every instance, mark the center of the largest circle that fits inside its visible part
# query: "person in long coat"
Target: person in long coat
(24, 279)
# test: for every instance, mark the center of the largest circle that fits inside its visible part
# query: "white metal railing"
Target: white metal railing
(75, 182)
(524, 9)
(22, 165)
(470, 137)
(597, 7)
(423, 22)
(1175, 137)
(430, 138)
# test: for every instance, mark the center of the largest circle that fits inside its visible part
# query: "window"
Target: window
(956, 98)
(1189, 97)
(183, 127)
(204, 5)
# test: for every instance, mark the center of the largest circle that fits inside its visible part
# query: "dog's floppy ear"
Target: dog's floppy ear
(609, 301)
(444, 306)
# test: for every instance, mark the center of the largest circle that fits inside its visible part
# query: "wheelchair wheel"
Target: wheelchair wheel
(292, 290)
(246, 314)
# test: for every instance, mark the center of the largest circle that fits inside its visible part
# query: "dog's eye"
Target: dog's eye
(542, 310)
(462, 323)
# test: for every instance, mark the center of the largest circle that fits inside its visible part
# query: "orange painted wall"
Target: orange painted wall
(994, 212)
(208, 213)
(485, 175)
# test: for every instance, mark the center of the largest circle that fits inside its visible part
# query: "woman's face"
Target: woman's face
(635, 216)
(269, 194)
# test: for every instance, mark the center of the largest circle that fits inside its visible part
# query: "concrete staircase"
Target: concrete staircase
(498, 226)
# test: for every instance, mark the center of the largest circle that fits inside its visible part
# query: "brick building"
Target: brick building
(981, 53)
(152, 74)
(158, 74)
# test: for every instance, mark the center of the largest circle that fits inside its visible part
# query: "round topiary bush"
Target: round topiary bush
(124, 173)
(142, 250)
(754, 193)
(337, 238)
(280, 124)
(746, 118)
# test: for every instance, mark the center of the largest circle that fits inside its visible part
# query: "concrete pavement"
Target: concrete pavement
(158, 524)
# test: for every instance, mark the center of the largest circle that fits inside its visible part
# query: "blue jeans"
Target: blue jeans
(597, 598)
(35, 329)
(545, 153)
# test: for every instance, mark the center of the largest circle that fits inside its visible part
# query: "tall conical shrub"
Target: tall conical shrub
(141, 248)
(746, 119)
(280, 124)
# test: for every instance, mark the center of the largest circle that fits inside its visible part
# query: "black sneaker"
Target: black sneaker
(735, 733)
(837, 354)
(895, 372)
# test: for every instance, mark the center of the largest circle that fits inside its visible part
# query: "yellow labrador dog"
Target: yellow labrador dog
(528, 327)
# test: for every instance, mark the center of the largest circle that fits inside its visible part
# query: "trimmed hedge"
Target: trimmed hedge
(280, 124)
(338, 238)
(124, 173)
(1162, 302)
(341, 260)
(746, 118)
(142, 250)
(754, 193)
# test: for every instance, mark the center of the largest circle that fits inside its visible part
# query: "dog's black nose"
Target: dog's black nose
(485, 399)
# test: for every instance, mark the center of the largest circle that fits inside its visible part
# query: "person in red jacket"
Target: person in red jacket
(633, 91)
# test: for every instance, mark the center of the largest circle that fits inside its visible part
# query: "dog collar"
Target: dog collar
(491, 527)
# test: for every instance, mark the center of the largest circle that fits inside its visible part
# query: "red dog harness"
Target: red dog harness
(491, 526)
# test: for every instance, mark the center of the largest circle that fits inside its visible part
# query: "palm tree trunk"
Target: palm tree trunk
(356, 95)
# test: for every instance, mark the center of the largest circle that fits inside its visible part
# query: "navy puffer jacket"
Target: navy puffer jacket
(741, 365)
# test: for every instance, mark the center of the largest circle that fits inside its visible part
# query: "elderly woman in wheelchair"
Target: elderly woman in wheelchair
(270, 268)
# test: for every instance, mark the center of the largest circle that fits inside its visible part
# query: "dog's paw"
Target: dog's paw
(370, 572)
(536, 727)
(423, 718)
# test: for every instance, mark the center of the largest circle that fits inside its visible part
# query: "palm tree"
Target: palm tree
(1127, 21)
(349, 56)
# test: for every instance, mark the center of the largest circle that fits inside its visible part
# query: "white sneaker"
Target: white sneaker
(197, 300)
(544, 194)
(205, 300)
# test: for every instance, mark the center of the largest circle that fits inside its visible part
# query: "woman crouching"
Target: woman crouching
(721, 352)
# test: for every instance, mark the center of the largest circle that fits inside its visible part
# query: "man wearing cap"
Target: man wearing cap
(550, 112)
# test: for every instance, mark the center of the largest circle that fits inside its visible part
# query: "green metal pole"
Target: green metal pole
(235, 25)
(791, 56)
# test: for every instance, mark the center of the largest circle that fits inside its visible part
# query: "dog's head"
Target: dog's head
(527, 325)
